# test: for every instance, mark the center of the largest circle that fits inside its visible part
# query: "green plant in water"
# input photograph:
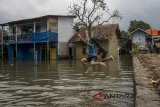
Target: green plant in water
(135, 49)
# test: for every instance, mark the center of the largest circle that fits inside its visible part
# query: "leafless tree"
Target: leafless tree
(89, 12)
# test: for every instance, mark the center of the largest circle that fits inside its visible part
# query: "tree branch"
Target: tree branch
(114, 15)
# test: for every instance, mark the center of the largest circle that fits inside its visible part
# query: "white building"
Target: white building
(141, 38)
(47, 35)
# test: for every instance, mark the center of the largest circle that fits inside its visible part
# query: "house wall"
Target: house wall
(52, 24)
(139, 38)
(61, 25)
(63, 49)
(65, 28)
(79, 52)
(65, 32)
(113, 46)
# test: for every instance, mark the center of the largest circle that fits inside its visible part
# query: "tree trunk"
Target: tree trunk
(89, 31)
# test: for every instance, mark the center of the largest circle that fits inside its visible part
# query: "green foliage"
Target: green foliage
(135, 49)
(124, 34)
(134, 24)
(125, 42)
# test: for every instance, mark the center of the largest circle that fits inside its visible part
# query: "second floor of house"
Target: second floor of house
(45, 28)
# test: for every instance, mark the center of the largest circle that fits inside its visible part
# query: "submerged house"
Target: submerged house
(41, 38)
(107, 35)
(141, 38)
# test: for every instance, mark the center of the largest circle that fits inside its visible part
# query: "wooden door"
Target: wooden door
(52, 53)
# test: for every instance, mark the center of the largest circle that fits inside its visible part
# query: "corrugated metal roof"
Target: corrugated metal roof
(37, 18)
(130, 34)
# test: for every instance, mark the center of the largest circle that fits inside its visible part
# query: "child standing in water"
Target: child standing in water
(91, 54)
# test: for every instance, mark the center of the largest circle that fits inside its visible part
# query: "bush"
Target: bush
(135, 50)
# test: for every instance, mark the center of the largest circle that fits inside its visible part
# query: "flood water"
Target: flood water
(66, 84)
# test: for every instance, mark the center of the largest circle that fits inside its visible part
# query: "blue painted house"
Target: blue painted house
(141, 38)
(41, 38)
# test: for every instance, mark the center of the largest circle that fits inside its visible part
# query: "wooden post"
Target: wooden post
(2, 45)
(35, 74)
(34, 30)
(47, 51)
(16, 42)
(47, 40)
(57, 52)
(35, 62)
(10, 54)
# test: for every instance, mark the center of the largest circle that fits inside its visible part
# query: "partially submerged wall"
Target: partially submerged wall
(63, 50)
(146, 95)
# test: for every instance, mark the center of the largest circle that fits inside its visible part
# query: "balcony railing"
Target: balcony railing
(37, 36)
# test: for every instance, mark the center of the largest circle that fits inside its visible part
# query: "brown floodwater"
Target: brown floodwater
(66, 84)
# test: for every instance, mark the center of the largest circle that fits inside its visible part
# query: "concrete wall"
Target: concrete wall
(146, 95)
(65, 28)
(113, 46)
(52, 24)
(65, 32)
(79, 52)
(63, 49)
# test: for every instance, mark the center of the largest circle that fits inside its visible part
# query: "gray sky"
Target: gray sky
(146, 10)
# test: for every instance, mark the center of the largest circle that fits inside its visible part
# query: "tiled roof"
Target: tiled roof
(152, 32)
(100, 32)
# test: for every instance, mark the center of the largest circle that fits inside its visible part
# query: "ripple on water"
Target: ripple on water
(65, 85)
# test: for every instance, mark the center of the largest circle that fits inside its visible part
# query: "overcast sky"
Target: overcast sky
(145, 10)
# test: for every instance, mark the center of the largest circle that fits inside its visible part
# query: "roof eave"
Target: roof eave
(39, 18)
(130, 34)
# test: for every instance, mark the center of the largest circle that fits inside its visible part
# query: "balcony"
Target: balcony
(33, 37)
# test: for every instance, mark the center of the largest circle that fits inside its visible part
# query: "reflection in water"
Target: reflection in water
(65, 84)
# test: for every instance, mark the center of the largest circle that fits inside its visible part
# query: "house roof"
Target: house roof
(152, 32)
(100, 32)
(3, 24)
(130, 34)
(36, 18)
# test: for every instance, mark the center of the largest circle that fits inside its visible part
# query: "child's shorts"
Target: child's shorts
(93, 58)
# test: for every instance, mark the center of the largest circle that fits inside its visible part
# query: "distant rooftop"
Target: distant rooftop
(153, 32)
